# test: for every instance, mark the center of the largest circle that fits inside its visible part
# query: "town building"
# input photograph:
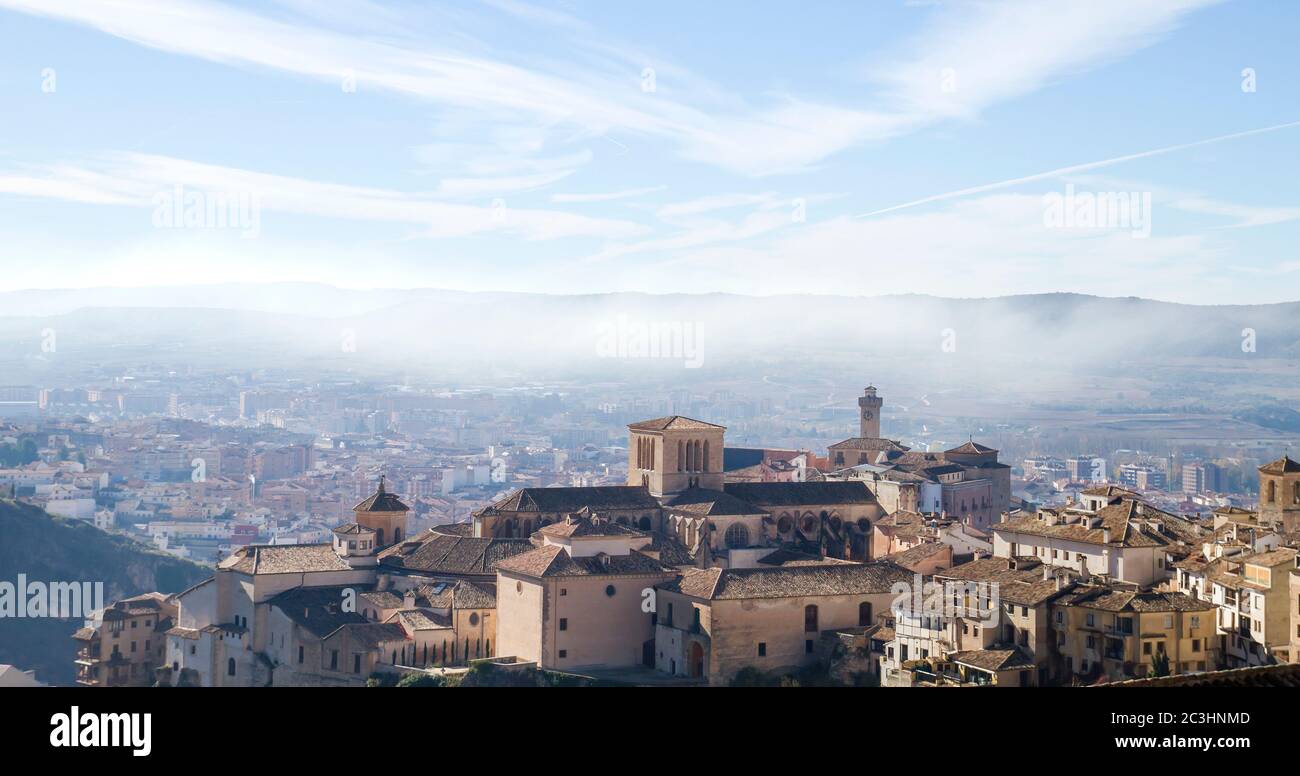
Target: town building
(714, 622)
(122, 644)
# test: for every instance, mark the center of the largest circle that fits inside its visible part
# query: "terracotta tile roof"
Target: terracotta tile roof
(790, 581)
(869, 444)
(317, 610)
(1115, 600)
(284, 559)
(381, 501)
(1283, 465)
(1123, 520)
(971, 448)
(371, 635)
(584, 523)
(672, 423)
(440, 554)
(913, 555)
(353, 529)
(413, 620)
(461, 594)
(994, 659)
(384, 599)
(564, 500)
(554, 561)
(710, 503)
(455, 529)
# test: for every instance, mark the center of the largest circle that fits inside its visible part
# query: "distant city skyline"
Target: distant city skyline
(950, 149)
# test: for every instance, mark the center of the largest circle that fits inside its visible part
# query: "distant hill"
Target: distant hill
(246, 326)
(47, 548)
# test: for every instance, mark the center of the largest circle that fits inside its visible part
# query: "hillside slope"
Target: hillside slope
(47, 548)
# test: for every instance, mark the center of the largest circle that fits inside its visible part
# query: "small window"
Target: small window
(230, 667)
(610, 591)
(300, 654)
(564, 623)
(564, 653)
(762, 649)
(564, 591)
(808, 646)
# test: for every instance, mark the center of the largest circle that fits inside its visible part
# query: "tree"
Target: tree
(1159, 665)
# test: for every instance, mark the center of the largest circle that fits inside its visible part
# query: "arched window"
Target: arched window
(690, 456)
(704, 465)
(681, 455)
(379, 538)
(810, 618)
(230, 667)
(737, 536)
(864, 613)
(397, 534)
(699, 466)
(644, 523)
(1295, 494)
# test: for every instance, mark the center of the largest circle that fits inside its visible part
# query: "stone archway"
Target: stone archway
(696, 660)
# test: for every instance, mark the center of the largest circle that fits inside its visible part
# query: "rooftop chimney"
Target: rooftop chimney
(1105, 535)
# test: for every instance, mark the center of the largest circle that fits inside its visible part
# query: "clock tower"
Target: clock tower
(869, 413)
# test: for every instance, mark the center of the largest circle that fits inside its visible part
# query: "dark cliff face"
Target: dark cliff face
(46, 549)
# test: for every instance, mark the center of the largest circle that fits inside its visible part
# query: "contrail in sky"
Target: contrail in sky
(1078, 168)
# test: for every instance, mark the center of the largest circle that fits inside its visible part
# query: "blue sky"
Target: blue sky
(744, 147)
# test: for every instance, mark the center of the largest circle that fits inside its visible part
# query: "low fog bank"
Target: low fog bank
(687, 338)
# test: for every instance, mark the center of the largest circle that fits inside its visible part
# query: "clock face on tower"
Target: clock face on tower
(867, 414)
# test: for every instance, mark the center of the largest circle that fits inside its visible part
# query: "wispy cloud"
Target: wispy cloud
(995, 52)
(1076, 168)
(606, 196)
(975, 55)
(134, 179)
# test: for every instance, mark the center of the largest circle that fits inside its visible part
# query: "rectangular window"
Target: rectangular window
(564, 623)
(762, 649)
(564, 653)
(334, 660)
(356, 663)
(808, 647)
(300, 654)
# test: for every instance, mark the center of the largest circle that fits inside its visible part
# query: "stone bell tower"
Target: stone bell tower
(869, 413)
